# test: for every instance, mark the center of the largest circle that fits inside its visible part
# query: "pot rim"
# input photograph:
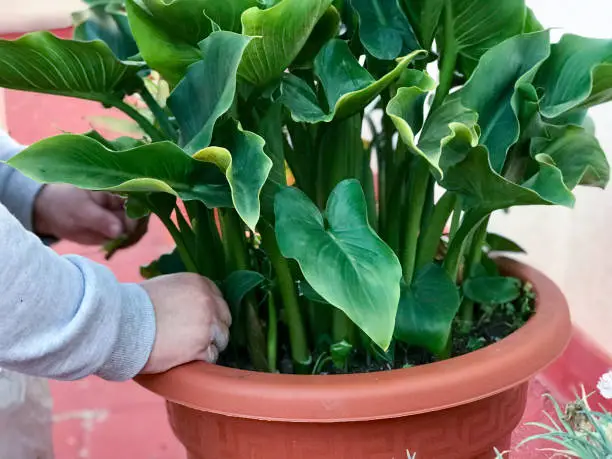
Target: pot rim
(386, 394)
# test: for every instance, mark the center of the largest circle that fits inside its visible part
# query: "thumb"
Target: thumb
(102, 221)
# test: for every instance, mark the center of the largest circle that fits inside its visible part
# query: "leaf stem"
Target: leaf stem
(160, 115)
(272, 334)
(418, 181)
(179, 240)
(300, 353)
(455, 250)
(430, 239)
(155, 134)
(473, 259)
(450, 54)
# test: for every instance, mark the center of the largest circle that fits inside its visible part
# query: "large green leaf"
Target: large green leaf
(106, 22)
(208, 89)
(284, 29)
(158, 167)
(341, 257)
(384, 30)
(168, 31)
(424, 16)
(326, 29)
(427, 309)
(347, 85)
(246, 167)
(468, 172)
(577, 74)
(41, 62)
(491, 89)
(439, 128)
(578, 155)
(478, 25)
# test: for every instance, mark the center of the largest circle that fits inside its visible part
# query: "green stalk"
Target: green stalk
(455, 250)
(179, 240)
(393, 223)
(272, 335)
(430, 238)
(343, 328)
(419, 178)
(208, 246)
(237, 260)
(160, 115)
(155, 134)
(474, 257)
(449, 57)
(456, 220)
(300, 353)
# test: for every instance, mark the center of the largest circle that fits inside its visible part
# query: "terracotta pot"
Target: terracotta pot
(457, 409)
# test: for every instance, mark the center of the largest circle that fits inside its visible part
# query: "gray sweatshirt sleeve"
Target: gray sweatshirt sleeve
(64, 317)
(17, 192)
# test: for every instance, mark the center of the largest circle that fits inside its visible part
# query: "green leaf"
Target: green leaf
(531, 22)
(498, 243)
(341, 257)
(284, 30)
(159, 167)
(439, 128)
(41, 62)
(492, 290)
(169, 263)
(168, 31)
(246, 167)
(491, 90)
(577, 74)
(347, 85)
(340, 353)
(578, 155)
(326, 29)
(424, 16)
(468, 172)
(208, 89)
(427, 309)
(479, 25)
(238, 284)
(384, 30)
(109, 24)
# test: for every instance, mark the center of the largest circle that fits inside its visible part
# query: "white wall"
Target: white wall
(574, 247)
(29, 15)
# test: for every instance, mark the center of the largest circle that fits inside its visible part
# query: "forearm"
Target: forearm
(17, 192)
(66, 317)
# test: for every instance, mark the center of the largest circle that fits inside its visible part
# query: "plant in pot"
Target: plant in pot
(361, 327)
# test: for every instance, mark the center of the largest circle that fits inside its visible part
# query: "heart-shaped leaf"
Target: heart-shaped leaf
(341, 257)
(347, 85)
(158, 167)
(238, 284)
(41, 62)
(246, 167)
(384, 30)
(106, 22)
(578, 155)
(491, 90)
(492, 290)
(427, 309)
(284, 29)
(208, 89)
(577, 74)
(326, 29)
(168, 263)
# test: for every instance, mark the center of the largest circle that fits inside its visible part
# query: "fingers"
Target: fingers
(221, 307)
(220, 336)
(108, 200)
(102, 221)
(210, 354)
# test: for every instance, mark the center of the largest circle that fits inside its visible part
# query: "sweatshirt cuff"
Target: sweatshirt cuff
(136, 336)
(19, 195)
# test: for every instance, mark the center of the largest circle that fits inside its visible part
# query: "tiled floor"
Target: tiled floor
(99, 420)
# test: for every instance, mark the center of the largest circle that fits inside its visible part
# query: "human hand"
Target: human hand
(84, 217)
(193, 321)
